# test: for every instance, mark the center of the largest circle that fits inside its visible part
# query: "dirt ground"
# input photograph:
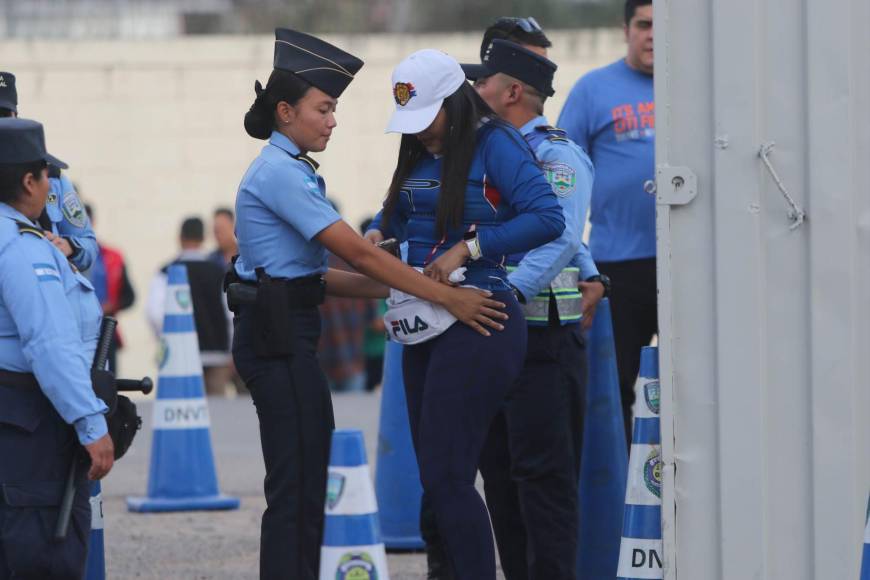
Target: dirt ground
(215, 545)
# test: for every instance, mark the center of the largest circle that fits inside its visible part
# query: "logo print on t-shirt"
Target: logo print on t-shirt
(634, 122)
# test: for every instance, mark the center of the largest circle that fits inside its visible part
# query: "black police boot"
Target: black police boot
(437, 562)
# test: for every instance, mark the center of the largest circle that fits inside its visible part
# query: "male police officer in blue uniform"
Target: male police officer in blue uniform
(64, 220)
(49, 323)
(531, 462)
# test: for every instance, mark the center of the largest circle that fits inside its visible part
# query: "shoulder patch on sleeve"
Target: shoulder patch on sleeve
(562, 178)
(311, 183)
(73, 210)
(46, 272)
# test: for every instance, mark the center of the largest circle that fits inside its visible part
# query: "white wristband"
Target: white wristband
(473, 248)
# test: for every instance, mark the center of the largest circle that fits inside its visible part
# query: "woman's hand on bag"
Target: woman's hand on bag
(440, 269)
(475, 308)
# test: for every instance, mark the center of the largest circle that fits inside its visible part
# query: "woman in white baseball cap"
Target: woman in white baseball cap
(466, 192)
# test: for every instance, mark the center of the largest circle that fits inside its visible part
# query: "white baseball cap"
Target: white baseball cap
(420, 84)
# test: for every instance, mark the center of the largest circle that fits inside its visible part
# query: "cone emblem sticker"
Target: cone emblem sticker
(334, 489)
(162, 353)
(652, 396)
(652, 472)
(356, 566)
(182, 297)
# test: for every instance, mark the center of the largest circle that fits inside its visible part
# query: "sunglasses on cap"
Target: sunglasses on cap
(528, 24)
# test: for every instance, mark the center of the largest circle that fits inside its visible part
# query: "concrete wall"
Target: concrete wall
(153, 130)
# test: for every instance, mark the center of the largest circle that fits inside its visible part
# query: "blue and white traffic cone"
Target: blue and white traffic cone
(352, 546)
(182, 475)
(640, 553)
(397, 477)
(95, 567)
(601, 491)
(865, 562)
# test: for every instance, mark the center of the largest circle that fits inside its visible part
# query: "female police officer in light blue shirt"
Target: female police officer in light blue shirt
(284, 227)
(49, 322)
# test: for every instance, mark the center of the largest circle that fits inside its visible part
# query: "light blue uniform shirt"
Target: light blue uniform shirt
(69, 219)
(280, 207)
(49, 324)
(570, 173)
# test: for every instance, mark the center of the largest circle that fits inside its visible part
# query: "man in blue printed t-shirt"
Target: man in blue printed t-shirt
(610, 112)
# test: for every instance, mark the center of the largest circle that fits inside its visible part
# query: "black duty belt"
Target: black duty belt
(18, 380)
(300, 292)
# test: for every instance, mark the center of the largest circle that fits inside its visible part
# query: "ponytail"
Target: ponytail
(282, 86)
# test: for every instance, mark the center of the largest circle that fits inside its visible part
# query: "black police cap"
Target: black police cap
(325, 66)
(511, 59)
(23, 141)
(8, 94)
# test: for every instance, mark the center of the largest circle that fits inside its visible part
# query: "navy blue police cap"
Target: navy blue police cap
(23, 141)
(511, 59)
(8, 94)
(325, 66)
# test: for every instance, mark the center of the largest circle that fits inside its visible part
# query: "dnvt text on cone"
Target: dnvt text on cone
(640, 553)
(182, 475)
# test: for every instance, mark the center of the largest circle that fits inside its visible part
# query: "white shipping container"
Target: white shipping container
(763, 188)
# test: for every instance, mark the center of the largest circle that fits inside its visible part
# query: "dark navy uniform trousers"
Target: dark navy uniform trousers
(455, 385)
(296, 422)
(36, 447)
(531, 461)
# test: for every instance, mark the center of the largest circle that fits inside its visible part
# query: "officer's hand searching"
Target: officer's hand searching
(592, 293)
(60, 243)
(447, 262)
(475, 308)
(102, 452)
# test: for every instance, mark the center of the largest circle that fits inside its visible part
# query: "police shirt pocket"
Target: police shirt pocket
(90, 311)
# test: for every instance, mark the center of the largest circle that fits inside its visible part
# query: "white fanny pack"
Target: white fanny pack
(412, 320)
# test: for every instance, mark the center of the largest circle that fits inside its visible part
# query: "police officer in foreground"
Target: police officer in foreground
(530, 465)
(64, 219)
(284, 227)
(49, 324)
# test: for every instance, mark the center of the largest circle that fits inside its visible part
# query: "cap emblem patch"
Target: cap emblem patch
(404, 92)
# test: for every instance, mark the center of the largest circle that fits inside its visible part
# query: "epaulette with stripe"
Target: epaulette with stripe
(26, 228)
(305, 158)
(554, 134)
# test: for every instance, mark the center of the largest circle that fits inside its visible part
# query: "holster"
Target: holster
(122, 419)
(275, 302)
